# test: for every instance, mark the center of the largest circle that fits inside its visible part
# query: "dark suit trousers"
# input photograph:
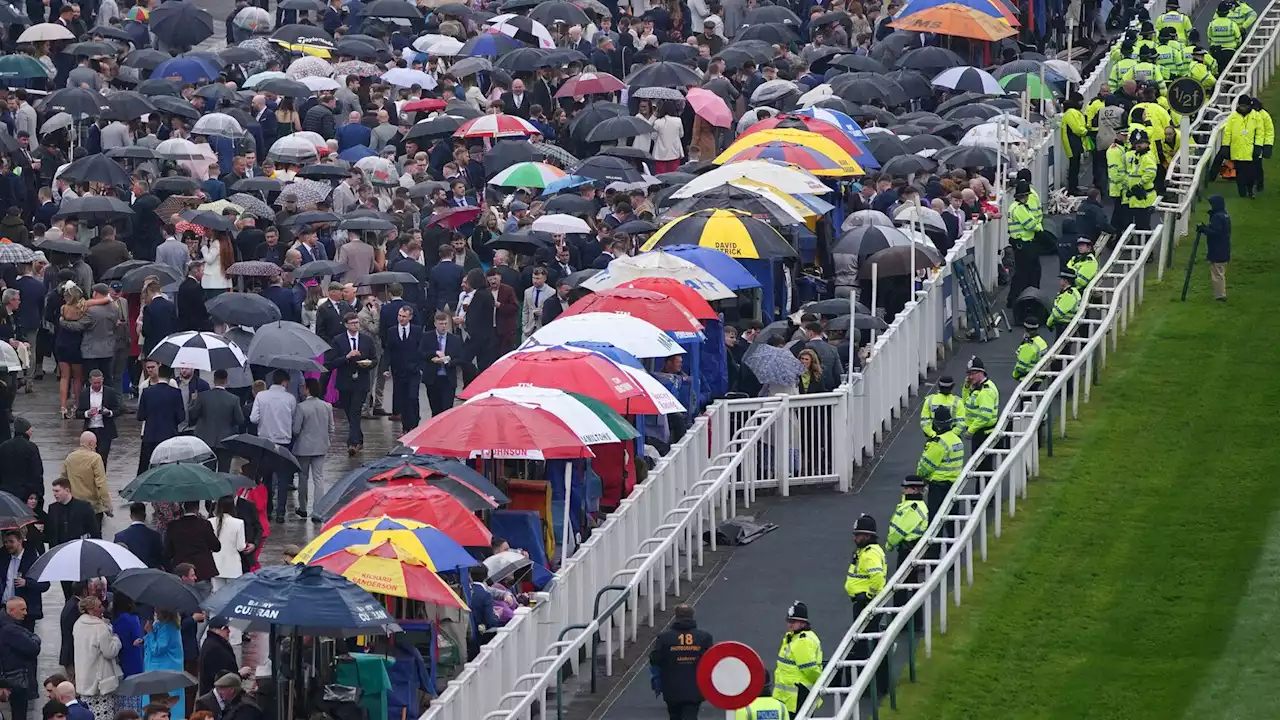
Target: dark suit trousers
(19, 702)
(144, 455)
(224, 459)
(352, 400)
(440, 393)
(104, 443)
(404, 399)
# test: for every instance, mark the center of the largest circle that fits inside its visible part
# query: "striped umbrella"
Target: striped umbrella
(198, 351)
(387, 568)
(528, 174)
(968, 79)
(493, 126)
(844, 164)
(83, 559)
(735, 233)
(594, 421)
(424, 543)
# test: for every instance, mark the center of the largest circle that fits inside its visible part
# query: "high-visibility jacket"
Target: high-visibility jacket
(1200, 72)
(799, 663)
(1176, 20)
(1033, 203)
(1266, 134)
(910, 520)
(1157, 117)
(1223, 32)
(1141, 43)
(1145, 71)
(1085, 267)
(981, 406)
(1120, 70)
(1029, 353)
(1241, 134)
(866, 572)
(1075, 137)
(939, 399)
(1140, 172)
(1168, 147)
(1022, 222)
(1244, 16)
(1091, 116)
(1115, 170)
(763, 708)
(942, 458)
(1172, 59)
(1211, 62)
(1064, 307)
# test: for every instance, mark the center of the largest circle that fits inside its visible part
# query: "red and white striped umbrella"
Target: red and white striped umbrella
(494, 126)
(590, 84)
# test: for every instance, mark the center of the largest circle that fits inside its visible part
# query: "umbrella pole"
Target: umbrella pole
(875, 288)
(568, 497)
(1042, 101)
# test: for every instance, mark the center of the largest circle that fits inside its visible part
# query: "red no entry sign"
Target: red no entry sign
(730, 675)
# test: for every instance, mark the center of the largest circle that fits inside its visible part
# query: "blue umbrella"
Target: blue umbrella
(357, 153)
(849, 127)
(773, 365)
(726, 269)
(567, 182)
(490, 45)
(611, 351)
(300, 598)
(191, 69)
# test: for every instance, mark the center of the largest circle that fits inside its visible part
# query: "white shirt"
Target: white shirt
(95, 402)
(404, 331)
(10, 574)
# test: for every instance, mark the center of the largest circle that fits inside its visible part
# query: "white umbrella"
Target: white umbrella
(319, 84)
(873, 129)
(309, 66)
(311, 137)
(660, 264)
(658, 393)
(256, 78)
(253, 18)
(425, 41)
(81, 560)
(816, 95)
(293, 150)
(441, 45)
(218, 124)
(573, 412)
(405, 77)
(968, 79)
(785, 178)
(636, 336)
(524, 29)
(183, 448)
(1064, 68)
(865, 217)
(920, 214)
(55, 123)
(44, 32)
(9, 357)
(562, 224)
(990, 135)
(774, 197)
(179, 149)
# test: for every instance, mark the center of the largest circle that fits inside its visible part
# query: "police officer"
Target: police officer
(1024, 225)
(673, 664)
(906, 527)
(1176, 20)
(1146, 70)
(1140, 179)
(1067, 302)
(799, 660)
(981, 407)
(1239, 139)
(942, 459)
(765, 707)
(1084, 264)
(1243, 15)
(865, 580)
(1099, 155)
(1170, 55)
(1116, 182)
(945, 397)
(1224, 35)
(1123, 64)
(1199, 70)
(1030, 350)
(1075, 139)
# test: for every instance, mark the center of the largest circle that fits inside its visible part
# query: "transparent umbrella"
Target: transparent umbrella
(218, 124)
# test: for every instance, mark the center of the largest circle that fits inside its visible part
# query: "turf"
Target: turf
(1140, 581)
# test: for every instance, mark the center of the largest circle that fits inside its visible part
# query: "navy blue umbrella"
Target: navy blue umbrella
(303, 599)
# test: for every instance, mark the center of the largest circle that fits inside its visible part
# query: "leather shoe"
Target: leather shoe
(351, 451)
(379, 412)
(278, 519)
(301, 513)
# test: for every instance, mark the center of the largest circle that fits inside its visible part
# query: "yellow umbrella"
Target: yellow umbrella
(315, 50)
(842, 160)
(777, 196)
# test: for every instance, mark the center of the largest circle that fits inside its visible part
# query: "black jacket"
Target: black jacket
(1217, 233)
(415, 293)
(110, 403)
(33, 590)
(19, 648)
(67, 621)
(351, 376)
(329, 318)
(217, 658)
(144, 542)
(71, 522)
(675, 654)
(23, 469)
(192, 314)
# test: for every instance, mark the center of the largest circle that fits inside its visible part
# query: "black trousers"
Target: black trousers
(1141, 218)
(19, 702)
(440, 393)
(862, 649)
(223, 459)
(1245, 176)
(352, 400)
(103, 364)
(1026, 269)
(1100, 170)
(975, 442)
(683, 711)
(1073, 174)
(1222, 55)
(936, 493)
(104, 443)
(144, 455)
(1119, 214)
(404, 399)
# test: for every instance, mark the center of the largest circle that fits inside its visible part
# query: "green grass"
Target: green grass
(1126, 587)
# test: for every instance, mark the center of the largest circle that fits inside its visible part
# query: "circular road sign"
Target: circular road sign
(730, 675)
(1186, 96)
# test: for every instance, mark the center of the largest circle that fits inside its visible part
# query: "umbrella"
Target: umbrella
(570, 205)
(608, 169)
(182, 482)
(886, 146)
(661, 311)
(158, 87)
(319, 269)
(710, 107)
(861, 321)
(525, 29)
(898, 261)
(560, 11)
(932, 60)
(855, 63)
(22, 67)
(131, 152)
(527, 174)
(525, 242)
(903, 165)
(405, 77)
(63, 245)
(11, 15)
(181, 24)
(968, 79)
(660, 93)
(594, 114)
(774, 34)
(218, 124)
(252, 205)
(784, 178)
(772, 90)
(93, 209)
(489, 44)
(239, 56)
(283, 362)
(992, 135)
(126, 105)
(1064, 69)
(956, 20)
(285, 338)
(293, 150)
(14, 513)
(621, 127)
(736, 233)
(312, 216)
(12, 253)
(132, 281)
(179, 149)
(198, 351)
(325, 172)
(187, 69)
(266, 456)
(299, 598)
(79, 103)
(498, 428)
(504, 565)
(259, 185)
(632, 334)
(664, 74)
(391, 9)
(426, 543)
(389, 569)
(285, 87)
(493, 126)
(576, 278)
(1030, 83)
(919, 143)
(419, 503)
(471, 488)
(968, 156)
(156, 682)
(659, 266)
(866, 240)
(366, 224)
(386, 278)
(297, 34)
(175, 106)
(773, 365)
(867, 217)
(83, 559)
(590, 84)
(182, 448)
(237, 308)
(868, 87)
(379, 171)
(561, 224)
(159, 589)
(802, 156)
(45, 32)
(208, 219)
(96, 168)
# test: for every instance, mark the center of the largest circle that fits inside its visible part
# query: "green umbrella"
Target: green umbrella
(22, 67)
(1037, 88)
(183, 482)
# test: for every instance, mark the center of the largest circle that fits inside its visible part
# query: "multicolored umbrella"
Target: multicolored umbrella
(595, 422)
(1037, 89)
(663, 312)
(497, 428)
(420, 503)
(659, 266)
(389, 569)
(840, 162)
(734, 233)
(688, 297)
(493, 126)
(825, 128)
(427, 544)
(528, 174)
(958, 21)
(525, 29)
(790, 153)
(997, 9)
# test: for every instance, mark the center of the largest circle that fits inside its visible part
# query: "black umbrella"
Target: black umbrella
(284, 87)
(94, 209)
(132, 152)
(555, 11)
(625, 151)
(832, 17)
(319, 269)
(956, 101)
(521, 59)
(833, 306)
(265, 455)
(506, 153)
(292, 34)
(771, 33)
(237, 308)
(620, 128)
(367, 224)
(387, 277)
(663, 74)
(119, 270)
(771, 14)
(361, 50)
(283, 362)
(97, 168)
(609, 169)
(853, 63)
(728, 196)
(457, 10)
(576, 278)
(930, 59)
(391, 9)
(303, 599)
(916, 143)
(160, 87)
(239, 55)
(913, 83)
(258, 184)
(91, 49)
(866, 240)
(885, 146)
(525, 242)
(677, 52)
(156, 682)
(863, 87)
(438, 126)
(968, 156)
(67, 246)
(14, 513)
(312, 216)
(322, 171)
(636, 227)
(904, 165)
(132, 279)
(860, 321)
(285, 338)
(594, 114)
(570, 204)
(79, 103)
(974, 111)
(176, 185)
(175, 106)
(183, 482)
(677, 178)
(181, 23)
(897, 261)
(735, 56)
(216, 94)
(208, 220)
(882, 117)
(1018, 66)
(159, 589)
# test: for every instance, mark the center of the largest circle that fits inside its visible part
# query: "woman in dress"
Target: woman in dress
(162, 650)
(230, 532)
(289, 121)
(96, 649)
(66, 344)
(219, 254)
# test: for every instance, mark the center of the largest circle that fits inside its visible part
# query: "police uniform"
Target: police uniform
(945, 397)
(942, 459)
(1084, 264)
(765, 707)
(1178, 21)
(1116, 179)
(673, 667)
(981, 408)
(1065, 304)
(1223, 35)
(1140, 180)
(1030, 350)
(863, 582)
(1024, 225)
(799, 661)
(906, 527)
(1239, 140)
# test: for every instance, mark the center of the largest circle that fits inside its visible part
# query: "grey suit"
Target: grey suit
(312, 427)
(215, 415)
(98, 343)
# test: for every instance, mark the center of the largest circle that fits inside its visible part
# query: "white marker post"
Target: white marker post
(730, 677)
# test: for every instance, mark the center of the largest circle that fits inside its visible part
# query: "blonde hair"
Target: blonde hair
(815, 365)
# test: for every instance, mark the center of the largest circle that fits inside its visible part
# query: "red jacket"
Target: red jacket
(507, 317)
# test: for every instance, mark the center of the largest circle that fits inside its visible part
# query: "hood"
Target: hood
(9, 221)
(1217, 204)
(683, 624)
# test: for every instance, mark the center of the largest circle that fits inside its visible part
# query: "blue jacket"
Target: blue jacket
(143, 542)
(163, 409)
(215, 189)
(405, 357)
(128, 628)
(352, 135)
(31, 290)
(408, 675)
(159, 320)
(1217, 233)
(445, 284)
(284, 299)
(482, 612)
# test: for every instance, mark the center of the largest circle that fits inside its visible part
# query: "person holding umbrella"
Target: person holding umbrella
(162, 650)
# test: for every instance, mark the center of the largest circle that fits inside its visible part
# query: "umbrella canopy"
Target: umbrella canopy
(866, 240)
(735, 233)
(594, 375)
(183, 448)
(561, 224)
(198, 351)
(621, 127)
(472, 489)
(663, 312)
(773, 365)
(419, 503)
(636, 336)
(45, 32)
(427, 544)
(958, 21)
(688, 297)
(181, 24)
(609, 169)
(968, 156)
(899, 261)
(710, 107)
(155, 682)
(93, 209)
(593, 421)
(265, 455)
(13, 253)
(293, 150)
(528, 174)
(968, 79)
(238, 308)
(783, 177)
(22, 67)
(159, 589)
(584, 84)
(14, 513)
(664, 74)
(525, 29)
(218, 124)
(490, 45)
(791, 153)
(97, 168)
(182, 482)
(300, 598)
(497, 428)
(931, 60)
(727, 271)
(186, 69)
(83, 559)
(493, 126)
(1030, 83)
(560, 11)
(389, 569)
(134, 278)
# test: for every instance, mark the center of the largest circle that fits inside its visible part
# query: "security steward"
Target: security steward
(942, 459)
(1030, 350)
(1024, 226)
(864, 581)
(945, 397)
(799, 660)
(1075, 139)
(1263, 141)
(673, 664)
(765, 707)
(1240, 139)
(981, 407)
(1170, 55)
(1223, 34)
(1140, 179)
(906, 527)
(1084, 264)
(1067, 302)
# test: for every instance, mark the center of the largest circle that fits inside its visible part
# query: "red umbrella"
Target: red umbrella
(590, 84)
(493, 427)
(424, 105)
(454, 218)
(423, 503)
(585, 373)
(822, 127)
(390, 570)
(681, 293)
(661, 311)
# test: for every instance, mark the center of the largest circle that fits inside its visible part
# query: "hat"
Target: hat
(1082, 240)
(942, 415)
(1147, 51)
(975, 365)
(117, 285)
(1138, 136)
(229, 680)
(946, 382)
(1067, 275)
(388, 148)
(1022, 188)
(217, 623)
(21, 425)
(913, 481)
(517, 206)
(798, 611)
(866, 525)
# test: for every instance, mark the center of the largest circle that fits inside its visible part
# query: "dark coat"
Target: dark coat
(452, 348)
(19, 647)
(191, 539)
(552, 308)
(509, 106)
(163, 409)
(70, 522)
(405, 357)
(389, 317)
(511, 277)
(445, 284)
(1217, 233)
(676, 660)
(23, 469)
(110, 409)
(192, 314)
(350, 376)
(283, 298)
(159, 320)
(248, 512)
(217, 658)
(144, 542)
(215, 415)
(67, 621)
(415, 293)
(329, 318)
(32, 591)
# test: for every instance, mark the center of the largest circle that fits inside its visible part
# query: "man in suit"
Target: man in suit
(159, 320)
(190, 539)
(405, 358)
(162, 409)
(352, 357)
(444, 351)
(23, 474)
(561, 268)
(215, 415)
(458, 196)
(446, 281)
(556, 304)
(389, 313)
(510, 276)
(17, 563)
(535, 296)
(516, 102)
(329, 315)
(98, 342)
(266, 119)
(312, 427)
(192, 314)
(506, 312)
(70, 519)
(140, 539)
(407, 260)
(218, 667)
(98, 406)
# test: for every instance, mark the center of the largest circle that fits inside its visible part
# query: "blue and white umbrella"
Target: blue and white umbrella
(968, 79)
(773, 365)
(300, 598)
